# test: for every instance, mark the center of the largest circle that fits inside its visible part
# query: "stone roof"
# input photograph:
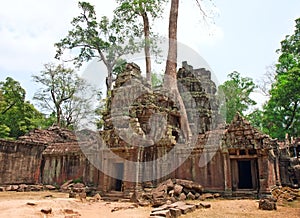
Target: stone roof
(62, 148)
(53, 134)
(241, 134)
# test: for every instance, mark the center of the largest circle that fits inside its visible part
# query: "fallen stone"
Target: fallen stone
(173, 199)
(203, 205)
(22, 188)
(50, 187)
(66, 184)
(182, 197)
(178, 204)
(2, 189)
(158, 202)
(143, 203)
(266, 204)
(46, 211)
(36, 188)
(190, 196)
(72, 195)
(31, 204)
(169, 184)
(97, 197)
(185, 183)
(177, 189)
(171, 193)
(187, 208)
(217, 195)
(158, 194)
(206, 196)
(175, 212)
(163, 213)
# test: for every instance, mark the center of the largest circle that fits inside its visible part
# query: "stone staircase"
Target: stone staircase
(115, 196)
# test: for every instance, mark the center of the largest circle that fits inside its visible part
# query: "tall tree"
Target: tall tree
(104, 40)
(236, 93)
(170, 79)
(131, 11)
(60, 94)
(283, 108)
(17, 116)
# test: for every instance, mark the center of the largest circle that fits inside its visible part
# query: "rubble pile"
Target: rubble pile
(170, 191)
(282, 194)
(176, 209)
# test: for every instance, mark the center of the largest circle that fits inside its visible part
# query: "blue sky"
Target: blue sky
(243, 35)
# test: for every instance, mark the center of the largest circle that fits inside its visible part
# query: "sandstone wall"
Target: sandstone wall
(20, 162)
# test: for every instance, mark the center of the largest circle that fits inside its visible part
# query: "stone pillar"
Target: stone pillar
(227, 173)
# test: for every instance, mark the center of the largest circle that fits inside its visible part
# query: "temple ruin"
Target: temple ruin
(141, 145)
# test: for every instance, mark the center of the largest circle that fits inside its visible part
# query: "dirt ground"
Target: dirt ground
(15, 205)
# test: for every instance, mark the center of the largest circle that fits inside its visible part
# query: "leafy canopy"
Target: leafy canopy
(236, 93)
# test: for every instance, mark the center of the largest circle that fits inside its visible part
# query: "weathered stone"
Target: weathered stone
(46, 210)
(163, 213)
(50, 187)
(177, 189)
(2, 189)
(158, 202)
(158, 194)
(36, 188)
(171, 193)
(203, 205)
(72, 195)
(190, 196)
(169, 184)
(175, 212)
(182, 197)
(31, 204)
(206, 196)
(185, 183)
(266, 204)
(66, 184)
(97, 197)
(217, 195)
(22, 188)
(187, 208)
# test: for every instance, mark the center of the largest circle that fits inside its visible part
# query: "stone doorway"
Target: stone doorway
(119, 174)
(244, 174)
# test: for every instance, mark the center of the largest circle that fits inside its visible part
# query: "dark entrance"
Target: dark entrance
(245, 175)
(119, 169)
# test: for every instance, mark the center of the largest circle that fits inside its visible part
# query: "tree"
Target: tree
(282, 111)
(104, 40)
(61, 94)
(236, 93)
(131, 11)
(17, 116)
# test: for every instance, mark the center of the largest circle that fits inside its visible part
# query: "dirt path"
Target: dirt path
(14, 205)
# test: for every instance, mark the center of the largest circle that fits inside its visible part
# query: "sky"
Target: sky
(242, 35)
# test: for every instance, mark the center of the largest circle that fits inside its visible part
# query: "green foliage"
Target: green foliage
(63, 95)
(282, 111)
(17, 116)
(104, 39)
(236, 93)
(156, 80)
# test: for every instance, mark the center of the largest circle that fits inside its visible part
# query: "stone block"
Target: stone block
(175, 212)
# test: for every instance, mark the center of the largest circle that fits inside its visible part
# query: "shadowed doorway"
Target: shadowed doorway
(119, 170)
(245, 175)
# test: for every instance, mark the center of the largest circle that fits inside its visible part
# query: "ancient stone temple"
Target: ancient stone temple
(142, 144)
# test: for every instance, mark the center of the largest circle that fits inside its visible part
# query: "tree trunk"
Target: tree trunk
(147, 46)
(170, 80)
(109, 80)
